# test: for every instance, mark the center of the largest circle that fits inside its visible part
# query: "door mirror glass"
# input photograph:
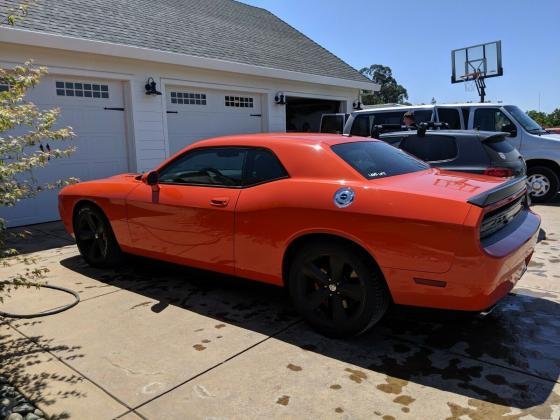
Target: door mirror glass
(151, 178)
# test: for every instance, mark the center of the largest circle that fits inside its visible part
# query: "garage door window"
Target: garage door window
(82, 90)
(4, 87)
(188, 98)
(239, 101)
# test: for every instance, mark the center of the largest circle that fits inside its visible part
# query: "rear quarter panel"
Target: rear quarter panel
(399, 229)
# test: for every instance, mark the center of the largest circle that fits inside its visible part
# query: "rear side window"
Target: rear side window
(361, 126)
(377, 159)
(430, 148)
(451, 117)
(332, 123)
(263, 166)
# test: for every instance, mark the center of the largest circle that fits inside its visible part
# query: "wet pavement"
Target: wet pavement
(153, 340)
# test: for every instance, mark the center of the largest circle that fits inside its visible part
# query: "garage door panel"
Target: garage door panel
(100, 141)
(196, 114)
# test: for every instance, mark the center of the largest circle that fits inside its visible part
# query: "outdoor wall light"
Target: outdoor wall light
(151, 87)
(357, 105)
(280, 99)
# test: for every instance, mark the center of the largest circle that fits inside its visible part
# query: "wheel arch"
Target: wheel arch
(300, 241)
(544, 162)
(81, 203)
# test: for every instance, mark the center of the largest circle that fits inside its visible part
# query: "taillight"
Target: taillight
(500, 172)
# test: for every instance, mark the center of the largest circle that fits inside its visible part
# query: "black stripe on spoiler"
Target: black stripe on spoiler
(502, 191)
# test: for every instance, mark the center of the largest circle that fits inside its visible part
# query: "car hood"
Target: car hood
(555, 137)
(450, 185)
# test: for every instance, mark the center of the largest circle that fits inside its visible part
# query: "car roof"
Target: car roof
(405, 108)
(279, 139)
(482, 135)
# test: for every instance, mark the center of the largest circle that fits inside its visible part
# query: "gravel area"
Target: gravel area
(14, 406)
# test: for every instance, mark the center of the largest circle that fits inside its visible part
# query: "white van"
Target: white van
(539, 148)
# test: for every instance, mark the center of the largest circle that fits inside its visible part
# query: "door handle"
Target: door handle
(219, 201)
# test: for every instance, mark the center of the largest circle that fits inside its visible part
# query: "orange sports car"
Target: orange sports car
(348, 224)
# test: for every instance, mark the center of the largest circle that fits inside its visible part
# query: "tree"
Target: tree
(544, 119)
(390, 91)
(22, 127)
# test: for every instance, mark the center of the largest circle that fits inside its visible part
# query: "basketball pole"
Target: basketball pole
(481, 88)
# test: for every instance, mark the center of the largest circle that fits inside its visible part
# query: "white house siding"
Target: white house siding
(145, 115)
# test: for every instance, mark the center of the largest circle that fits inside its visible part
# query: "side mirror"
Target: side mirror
(510, 128)
(150, 178)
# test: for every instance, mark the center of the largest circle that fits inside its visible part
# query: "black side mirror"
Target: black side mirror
(510, 128)
(151, 178)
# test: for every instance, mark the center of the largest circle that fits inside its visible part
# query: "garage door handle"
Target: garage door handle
(172, 112)
(219, 202)
(255, 115)
(113, 109)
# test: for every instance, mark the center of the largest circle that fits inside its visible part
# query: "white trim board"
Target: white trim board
(43, 39)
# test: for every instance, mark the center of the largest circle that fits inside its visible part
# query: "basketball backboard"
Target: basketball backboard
(478, 61)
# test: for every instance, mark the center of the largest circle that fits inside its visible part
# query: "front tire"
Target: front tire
(337, 290)
(95, 238)
(543, 182)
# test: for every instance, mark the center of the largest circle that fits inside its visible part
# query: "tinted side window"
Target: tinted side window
(430, 148)
(490, 119)
(451, 117)
(332, 124)
(362, 125)
(262, 166)
(221, 166)
(395, 117)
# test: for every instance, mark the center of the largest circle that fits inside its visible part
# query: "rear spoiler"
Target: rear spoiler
(502, 191)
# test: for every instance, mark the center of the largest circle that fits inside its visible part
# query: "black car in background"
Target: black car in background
(481, 152)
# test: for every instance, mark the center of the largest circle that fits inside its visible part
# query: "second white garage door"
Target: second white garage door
(195, 114)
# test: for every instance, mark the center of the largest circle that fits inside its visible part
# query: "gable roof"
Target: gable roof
(216, 29)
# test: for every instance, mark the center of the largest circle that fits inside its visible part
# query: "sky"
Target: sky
(415, 39)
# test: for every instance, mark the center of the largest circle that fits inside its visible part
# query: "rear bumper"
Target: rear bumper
(474, 282)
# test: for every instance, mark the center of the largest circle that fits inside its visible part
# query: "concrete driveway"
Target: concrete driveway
(156, 341)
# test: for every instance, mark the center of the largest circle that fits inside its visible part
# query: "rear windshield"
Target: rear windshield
(377, 159)
(499, 144)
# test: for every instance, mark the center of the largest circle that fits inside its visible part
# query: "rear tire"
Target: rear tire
(543, 182)
(95, 238)
(338, 291)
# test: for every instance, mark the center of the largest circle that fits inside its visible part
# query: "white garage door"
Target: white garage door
(194, 114)
(94, 109)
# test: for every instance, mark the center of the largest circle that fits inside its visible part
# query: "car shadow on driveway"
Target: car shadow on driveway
(510, 358)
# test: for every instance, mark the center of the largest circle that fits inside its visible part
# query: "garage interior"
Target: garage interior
(304, 114)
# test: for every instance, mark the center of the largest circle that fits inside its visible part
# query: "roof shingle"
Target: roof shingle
(219, 29)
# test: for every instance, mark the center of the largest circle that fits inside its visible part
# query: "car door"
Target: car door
(188, 217)
(494, 119)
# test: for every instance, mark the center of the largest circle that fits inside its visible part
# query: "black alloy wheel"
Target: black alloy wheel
(95, 239)
(337, 290)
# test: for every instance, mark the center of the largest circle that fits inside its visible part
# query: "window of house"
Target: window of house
(215, 166)
(490, 119)
(79, 89)
(188, 98)
(4, 86)
(239, 101)
(263, 166)
(451, 117)
(430, 148)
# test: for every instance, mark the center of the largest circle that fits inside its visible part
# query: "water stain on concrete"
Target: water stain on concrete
(404, 400)
(387, 417)
(393, 385)
(206, 341)
(220, 326)
(356, 375)
(199, 347)
(294, 368)
(283, 400)
(335, 386)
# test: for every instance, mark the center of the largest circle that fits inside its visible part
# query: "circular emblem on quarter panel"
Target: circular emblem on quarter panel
(344, 197)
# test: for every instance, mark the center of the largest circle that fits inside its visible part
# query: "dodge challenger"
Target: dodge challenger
(348, 224)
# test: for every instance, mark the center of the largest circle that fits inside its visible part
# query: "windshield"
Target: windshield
(377, 159)
(522, 118)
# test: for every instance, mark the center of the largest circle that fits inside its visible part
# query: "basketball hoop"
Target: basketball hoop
(470, 81)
